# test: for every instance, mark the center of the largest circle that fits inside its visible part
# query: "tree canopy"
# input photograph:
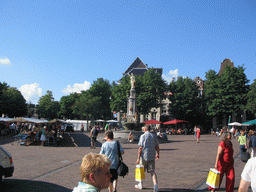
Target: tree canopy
(225, 93)
(149, 90)
(251, 99)
(12, 101)
(66, 106)
(184, 98)
(102, 89)
(86, 105)
(119, 95)
(47, 107)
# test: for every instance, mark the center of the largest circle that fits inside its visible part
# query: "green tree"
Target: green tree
(3, 99)
(251, 98)
(31, 109)
(226, 93)
(66, 104)
(102, 89)
(47, 107)
(86, 105)
(150, 89)
(211, 92)
(185, 103)
(119, 94)
(12, 101)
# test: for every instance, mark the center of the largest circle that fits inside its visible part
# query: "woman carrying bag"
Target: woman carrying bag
(110, 149)
(225, 161)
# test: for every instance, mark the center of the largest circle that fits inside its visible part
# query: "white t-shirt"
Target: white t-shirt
(249, 173)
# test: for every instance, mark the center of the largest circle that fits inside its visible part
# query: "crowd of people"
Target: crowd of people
(225, 162)
(99, 171)
(149, 151)
(32, 133)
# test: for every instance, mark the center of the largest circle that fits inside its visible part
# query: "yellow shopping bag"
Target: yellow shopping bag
(213, 178)
(139, 172)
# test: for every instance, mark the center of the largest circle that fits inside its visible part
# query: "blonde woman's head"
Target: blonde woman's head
(93, 163)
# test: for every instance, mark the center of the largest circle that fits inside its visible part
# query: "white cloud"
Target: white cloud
(5, 61)
(77, 88)
(172, 74)
(31, 92)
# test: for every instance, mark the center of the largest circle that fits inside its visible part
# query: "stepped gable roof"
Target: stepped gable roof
(137, 67)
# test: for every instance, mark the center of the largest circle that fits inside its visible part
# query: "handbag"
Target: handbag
(122, 169)
(213, 178)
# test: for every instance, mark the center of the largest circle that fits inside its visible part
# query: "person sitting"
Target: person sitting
(164, 136)
(95, 174)
(130, 137)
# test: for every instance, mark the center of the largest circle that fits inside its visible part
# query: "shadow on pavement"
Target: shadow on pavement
(83, 140)
(30, 186)
(6, 139)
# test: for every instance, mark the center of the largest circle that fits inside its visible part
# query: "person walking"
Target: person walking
(43, 136)
(225, 161)
(110, 148)
(242, 142)
(95, 174)
(195, 128)
(106, 127)
(149, 151)
(198, 134)
(93, 135)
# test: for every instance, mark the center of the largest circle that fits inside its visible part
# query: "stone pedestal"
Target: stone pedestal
(131, 107)
(122, 136)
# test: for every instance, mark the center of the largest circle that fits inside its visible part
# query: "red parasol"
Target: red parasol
(175, 121)
(152, 121)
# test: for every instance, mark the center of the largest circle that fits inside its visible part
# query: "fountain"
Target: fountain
(131, 120)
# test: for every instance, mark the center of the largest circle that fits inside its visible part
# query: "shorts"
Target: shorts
(114, 175)
(93, 139)
(149, 166)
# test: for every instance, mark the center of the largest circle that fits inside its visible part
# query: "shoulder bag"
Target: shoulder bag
(122, 169)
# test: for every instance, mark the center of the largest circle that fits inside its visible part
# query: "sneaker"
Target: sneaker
(139, 186)
(155, 188)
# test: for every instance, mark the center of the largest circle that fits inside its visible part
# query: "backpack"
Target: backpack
(94, 132)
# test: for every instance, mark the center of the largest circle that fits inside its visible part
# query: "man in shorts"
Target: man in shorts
(149, 151)
(93, 135)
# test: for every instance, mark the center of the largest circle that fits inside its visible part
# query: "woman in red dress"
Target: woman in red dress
(225, 161)
(197, 134)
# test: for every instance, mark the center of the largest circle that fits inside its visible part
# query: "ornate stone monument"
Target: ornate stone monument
(131, 103)
(131, 122)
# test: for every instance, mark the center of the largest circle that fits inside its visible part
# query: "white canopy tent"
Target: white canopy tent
(112, 121)
(28, 120)
(78, 123)
(235, 124)
(99, 120)
(5, 119)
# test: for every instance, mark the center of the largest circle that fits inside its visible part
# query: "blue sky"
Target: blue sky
(63, 46)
